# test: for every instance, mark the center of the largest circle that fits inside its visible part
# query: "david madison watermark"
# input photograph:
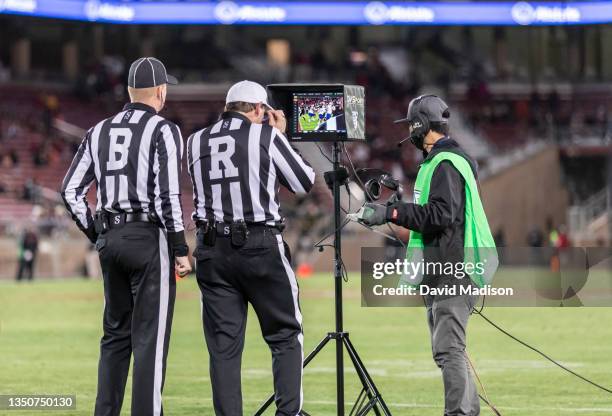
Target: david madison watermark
(517, 276)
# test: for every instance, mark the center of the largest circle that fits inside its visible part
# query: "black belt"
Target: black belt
(224, 229)
(108, 220)
(238, 232)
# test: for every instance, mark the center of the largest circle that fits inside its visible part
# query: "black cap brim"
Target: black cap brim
(401, 121)
(171, 79)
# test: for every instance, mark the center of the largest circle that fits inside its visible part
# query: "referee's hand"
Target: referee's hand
(277, 119)
(182, 266)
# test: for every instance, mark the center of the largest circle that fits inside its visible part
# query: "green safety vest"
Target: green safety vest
(479, 246)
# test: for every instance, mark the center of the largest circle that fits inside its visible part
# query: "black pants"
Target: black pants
(139, 292)
(26, 269)
(258, 273)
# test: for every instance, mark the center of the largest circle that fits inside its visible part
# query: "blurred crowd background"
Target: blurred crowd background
(531, 104)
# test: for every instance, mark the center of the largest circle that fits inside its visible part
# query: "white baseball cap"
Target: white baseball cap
(247, 92)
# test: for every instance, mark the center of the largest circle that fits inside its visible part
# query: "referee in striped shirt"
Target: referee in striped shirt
(236, 166)
(134, 158)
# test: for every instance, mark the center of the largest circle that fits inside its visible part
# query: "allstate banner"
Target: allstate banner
(310, 12)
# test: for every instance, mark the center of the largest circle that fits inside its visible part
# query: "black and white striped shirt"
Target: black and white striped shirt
(236, 167)
(135, 159)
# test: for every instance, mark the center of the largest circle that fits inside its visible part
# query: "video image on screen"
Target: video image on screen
(318, 112)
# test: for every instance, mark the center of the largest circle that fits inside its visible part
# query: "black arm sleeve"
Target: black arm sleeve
(177, 242)
(442, 209)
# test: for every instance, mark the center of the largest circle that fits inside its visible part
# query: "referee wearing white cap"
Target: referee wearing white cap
(236, 166)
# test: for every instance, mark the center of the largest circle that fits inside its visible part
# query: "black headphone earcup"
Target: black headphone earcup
(420, 126)
(425, 125)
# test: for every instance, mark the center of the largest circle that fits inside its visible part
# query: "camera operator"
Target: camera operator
(236, 166)
(446, 218)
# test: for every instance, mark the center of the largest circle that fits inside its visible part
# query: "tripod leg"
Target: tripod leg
(359, 402)
(365, 376)
(366, 391)
(340, 377)
(265, 406)
(371, 405)
(318, 348)
(308, 359)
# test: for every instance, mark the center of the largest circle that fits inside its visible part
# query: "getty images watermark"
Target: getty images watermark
(515, 276)
(412, 273)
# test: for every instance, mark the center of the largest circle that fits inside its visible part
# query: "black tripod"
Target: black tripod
(369, 398)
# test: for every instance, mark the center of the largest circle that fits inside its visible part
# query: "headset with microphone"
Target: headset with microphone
(418, 123)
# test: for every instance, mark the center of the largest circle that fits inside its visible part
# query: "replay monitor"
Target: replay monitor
(321, 112)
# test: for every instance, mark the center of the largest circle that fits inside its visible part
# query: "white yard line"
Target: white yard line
(385, 368)
(437, 406)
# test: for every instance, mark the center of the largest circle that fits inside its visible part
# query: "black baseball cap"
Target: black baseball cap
(149, 72)
(429, 105)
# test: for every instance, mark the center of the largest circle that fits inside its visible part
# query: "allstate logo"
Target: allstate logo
(376, 12)
(92, 10)
(95, 10)
(227, 12)
(22, 6)
(523, 13)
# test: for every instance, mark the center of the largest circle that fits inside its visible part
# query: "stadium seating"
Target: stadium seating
(498, 120)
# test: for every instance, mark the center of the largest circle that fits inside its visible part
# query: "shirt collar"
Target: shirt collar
(139, 106)
(439, 146)
(235, 114)
(443, 141)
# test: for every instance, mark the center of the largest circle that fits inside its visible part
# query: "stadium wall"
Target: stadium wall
(525, 196)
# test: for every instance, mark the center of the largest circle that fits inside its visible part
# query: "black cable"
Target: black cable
(318, 243)
(481, 306)
(343, 271)
(323, 153)
(368, 195)
(491, 406)
(349, 197)
(599, 386)
(347, 187)
(355, 172)
(349, 194)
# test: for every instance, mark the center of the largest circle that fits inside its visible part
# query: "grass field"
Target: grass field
(49, 334)
(307, 123)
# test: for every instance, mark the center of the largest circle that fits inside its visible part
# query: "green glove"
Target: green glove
(372, 214)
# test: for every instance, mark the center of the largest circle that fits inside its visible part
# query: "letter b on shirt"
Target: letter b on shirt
(118, 148)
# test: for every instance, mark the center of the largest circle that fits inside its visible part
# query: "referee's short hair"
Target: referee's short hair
(137, 94)
(240, 106)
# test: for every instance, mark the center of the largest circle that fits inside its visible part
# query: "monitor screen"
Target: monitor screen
(318, 113)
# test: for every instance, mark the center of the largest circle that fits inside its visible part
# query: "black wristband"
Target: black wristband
(91, 234)
(180, 250)
(177, 243)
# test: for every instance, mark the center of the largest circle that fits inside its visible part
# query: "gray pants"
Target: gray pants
(447, 319)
